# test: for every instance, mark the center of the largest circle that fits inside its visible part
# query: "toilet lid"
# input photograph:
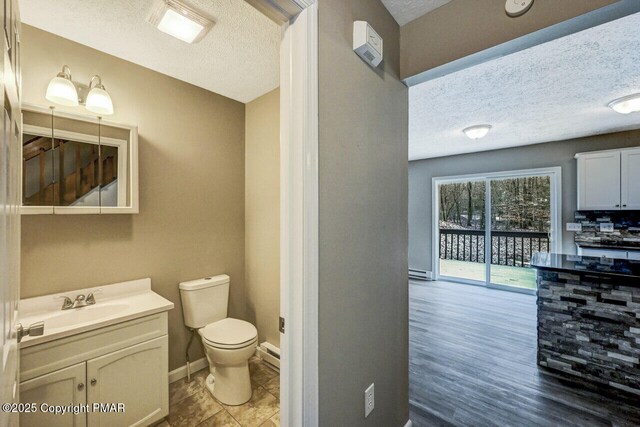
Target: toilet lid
(229, 332)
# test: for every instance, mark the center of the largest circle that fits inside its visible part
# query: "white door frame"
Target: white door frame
(555, 233)
(299, 219)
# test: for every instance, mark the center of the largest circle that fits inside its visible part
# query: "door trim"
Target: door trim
(299, 219)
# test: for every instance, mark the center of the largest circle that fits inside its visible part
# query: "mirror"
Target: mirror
(76, 164)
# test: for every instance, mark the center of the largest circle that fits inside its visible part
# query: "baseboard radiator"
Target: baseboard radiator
(418, 274)
(270, 354)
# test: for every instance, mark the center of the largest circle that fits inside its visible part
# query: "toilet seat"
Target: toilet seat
(229, 334)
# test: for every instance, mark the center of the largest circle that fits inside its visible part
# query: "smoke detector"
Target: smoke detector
(516, 8)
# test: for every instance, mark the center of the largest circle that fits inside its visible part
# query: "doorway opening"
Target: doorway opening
(488, 226)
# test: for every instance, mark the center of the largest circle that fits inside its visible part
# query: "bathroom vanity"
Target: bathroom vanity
(112, 352)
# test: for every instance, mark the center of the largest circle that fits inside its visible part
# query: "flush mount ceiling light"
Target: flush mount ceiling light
(627, 104)
(477, 132)
(98, 100)
(179, 20)
(61, 89)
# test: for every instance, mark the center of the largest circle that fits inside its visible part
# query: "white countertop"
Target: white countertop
(114, 304)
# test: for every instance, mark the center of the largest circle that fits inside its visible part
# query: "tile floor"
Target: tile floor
(191, 404)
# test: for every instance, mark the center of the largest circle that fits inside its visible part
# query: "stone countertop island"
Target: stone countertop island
(589, 319)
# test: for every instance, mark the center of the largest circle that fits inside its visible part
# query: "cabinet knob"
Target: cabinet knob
(80, 386)
(94, 381)
(624, 206)
(617, 206)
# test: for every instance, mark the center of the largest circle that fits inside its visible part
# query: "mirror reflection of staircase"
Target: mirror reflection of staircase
(79, 163)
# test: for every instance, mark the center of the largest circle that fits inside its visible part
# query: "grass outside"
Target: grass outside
(517, 277)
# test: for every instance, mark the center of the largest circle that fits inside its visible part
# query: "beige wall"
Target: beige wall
(191, 221)
(262, 215)
(462, 27)
(363, 290)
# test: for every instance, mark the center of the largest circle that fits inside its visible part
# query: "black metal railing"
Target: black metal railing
(513, 248)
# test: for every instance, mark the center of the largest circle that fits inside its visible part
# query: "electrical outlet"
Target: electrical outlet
(606, 227)
(369, 401)
(574, 226)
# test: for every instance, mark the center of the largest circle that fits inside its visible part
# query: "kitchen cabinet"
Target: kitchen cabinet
(606, 253)
(630, 179)
(608, 180)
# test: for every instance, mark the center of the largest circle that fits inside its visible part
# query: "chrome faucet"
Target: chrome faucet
(80, 301)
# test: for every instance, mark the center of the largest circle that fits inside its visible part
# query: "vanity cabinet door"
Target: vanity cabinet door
(63, 387)
(631, 179)
(599, 181)
(136, 376)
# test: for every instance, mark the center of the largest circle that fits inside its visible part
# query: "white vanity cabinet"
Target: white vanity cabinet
(608, 180)
(123, 363)
(60, 387)
(137, 375)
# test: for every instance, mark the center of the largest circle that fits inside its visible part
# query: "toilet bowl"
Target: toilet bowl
(228, 342)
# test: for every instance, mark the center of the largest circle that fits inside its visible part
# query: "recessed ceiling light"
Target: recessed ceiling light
(477, 132)
(179, 20)
(627, 104)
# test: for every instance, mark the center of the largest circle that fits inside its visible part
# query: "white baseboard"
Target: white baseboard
(181, 372)
(408, 424)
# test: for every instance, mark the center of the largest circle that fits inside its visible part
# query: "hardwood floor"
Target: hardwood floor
(472, 362)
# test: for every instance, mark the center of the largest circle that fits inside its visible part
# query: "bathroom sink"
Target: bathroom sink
(115, 303)
(76, 316)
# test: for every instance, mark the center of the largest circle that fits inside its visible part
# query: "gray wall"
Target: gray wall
(363, 291)
(559, 153)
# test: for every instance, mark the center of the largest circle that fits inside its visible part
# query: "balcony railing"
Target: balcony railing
(513, 248)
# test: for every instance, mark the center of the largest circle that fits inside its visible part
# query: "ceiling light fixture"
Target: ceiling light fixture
(61, 89)
(626, 104)
(179, 20)
(477, 132)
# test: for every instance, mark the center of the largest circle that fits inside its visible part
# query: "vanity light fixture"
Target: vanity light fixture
(626, 104)
(477, 132)
(61, 89)
(179, 20)
(98, 99)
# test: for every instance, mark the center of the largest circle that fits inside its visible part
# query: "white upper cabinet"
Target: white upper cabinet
(609, 180)
(599, 180)
(630, 179)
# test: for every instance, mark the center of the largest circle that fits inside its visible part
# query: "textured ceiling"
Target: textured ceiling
(554, 91)
(238, 58)
(407, 10)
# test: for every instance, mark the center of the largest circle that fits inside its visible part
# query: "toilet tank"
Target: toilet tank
(204, 300)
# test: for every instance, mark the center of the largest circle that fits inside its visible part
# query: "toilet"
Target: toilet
(228, 342)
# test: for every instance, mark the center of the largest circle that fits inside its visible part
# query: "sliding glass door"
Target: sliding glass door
(509, 216)
(462, 230)
(520, 226)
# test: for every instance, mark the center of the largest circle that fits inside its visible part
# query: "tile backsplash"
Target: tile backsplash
(626, 228)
